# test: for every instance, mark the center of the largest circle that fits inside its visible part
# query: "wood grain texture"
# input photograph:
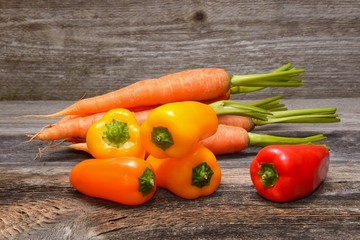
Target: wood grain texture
(37, 201)
(61, 50)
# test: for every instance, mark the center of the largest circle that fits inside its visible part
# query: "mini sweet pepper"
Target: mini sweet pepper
(283, 173)
(173, 129)
(116, 134)
(126, 180)
(195, 175)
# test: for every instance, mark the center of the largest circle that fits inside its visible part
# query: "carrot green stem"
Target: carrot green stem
(243, 89)
(306, 111)
(284, 76)
(270, 110)
(271, 103)
(311, 115)
(265, 101)
(229, 107)
(257, 110)
(263, 140)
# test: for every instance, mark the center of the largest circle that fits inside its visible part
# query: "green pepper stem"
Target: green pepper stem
(116, 133)
(162, 137)
(147, 182)
(262, 140)
(284, 76)
(201, 175)
(268, 174)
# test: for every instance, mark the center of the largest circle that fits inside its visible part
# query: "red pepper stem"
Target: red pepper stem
(268, 175)
(263, 140)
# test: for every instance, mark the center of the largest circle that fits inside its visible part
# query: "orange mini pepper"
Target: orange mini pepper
(116, 134)
(173, 129)
(125, 180)
(195, 175)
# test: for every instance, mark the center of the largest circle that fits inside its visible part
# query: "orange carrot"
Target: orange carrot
(80, 124)
(75, 129)
(231, 139)
(244, 122)
(227, 140)
(79, 146)
(197, 85)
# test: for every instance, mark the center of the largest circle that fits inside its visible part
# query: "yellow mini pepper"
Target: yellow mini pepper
(117, 134)
(198, 174)
(174, 129)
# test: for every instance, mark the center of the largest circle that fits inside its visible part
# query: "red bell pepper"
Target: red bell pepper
(283, 173)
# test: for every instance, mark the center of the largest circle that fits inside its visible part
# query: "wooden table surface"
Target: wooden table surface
(37, 201)
(54, 52)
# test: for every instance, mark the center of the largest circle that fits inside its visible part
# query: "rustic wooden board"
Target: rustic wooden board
(37, 202)
(61, 50)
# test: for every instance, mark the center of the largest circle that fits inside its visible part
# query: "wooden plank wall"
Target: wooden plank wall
(61, 50)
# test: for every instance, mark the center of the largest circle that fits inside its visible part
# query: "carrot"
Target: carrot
(73, 128)
(78, 146)
(197, 85)
(248, 116)
(231, 139)
(246, 123)
(227, 139)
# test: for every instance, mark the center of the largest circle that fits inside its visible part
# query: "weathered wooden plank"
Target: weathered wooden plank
(62, 49)
(234, 210)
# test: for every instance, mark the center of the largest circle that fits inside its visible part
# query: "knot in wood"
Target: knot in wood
(199, 16)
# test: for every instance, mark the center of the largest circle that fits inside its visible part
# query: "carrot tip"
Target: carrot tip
(34, 136)
(51, 145)
(40, 115)
(30, 136)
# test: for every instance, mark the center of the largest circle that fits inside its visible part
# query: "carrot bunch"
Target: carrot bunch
(213, 86)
